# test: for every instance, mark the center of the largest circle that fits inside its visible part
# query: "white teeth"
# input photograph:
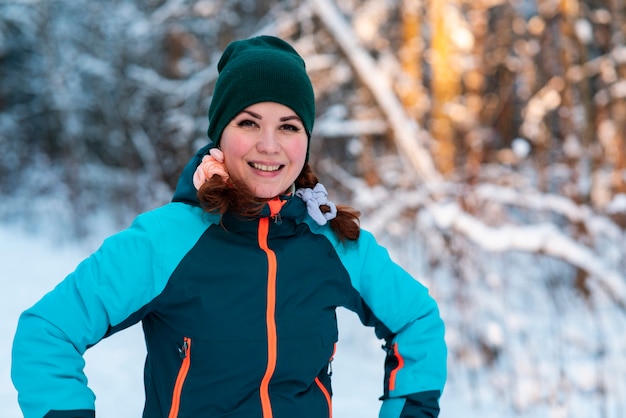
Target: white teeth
(264, 167)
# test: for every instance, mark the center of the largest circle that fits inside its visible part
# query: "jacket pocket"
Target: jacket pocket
(185, 355)
(393, 364)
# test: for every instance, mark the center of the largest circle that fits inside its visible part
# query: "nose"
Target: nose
(268, 142)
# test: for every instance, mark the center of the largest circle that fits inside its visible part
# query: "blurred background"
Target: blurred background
(484, 142)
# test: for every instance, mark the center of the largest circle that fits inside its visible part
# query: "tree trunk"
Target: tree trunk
(410, 87)
(445, 84)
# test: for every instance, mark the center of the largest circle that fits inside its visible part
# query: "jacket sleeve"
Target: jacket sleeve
(122, 276)
(408, 318)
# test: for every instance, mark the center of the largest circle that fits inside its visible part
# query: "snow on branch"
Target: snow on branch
(182, 88)
(543, 239)
(539, 239)
(151, 78)
(166, 11)
(550, 202)
(334, 128)
(406, 132)
(352, 183)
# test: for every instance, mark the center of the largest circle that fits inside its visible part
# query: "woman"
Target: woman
(236, 281)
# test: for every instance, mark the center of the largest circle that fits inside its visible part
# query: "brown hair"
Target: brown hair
(216, 196)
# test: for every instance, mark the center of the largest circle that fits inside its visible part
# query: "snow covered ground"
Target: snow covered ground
(30, 265)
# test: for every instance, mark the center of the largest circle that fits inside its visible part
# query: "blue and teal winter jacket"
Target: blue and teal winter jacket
(239, 317)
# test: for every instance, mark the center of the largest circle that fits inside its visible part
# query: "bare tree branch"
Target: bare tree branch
(406, 132)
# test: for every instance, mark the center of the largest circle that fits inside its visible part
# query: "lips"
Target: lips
(265, 167)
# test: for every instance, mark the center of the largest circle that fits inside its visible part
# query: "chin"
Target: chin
(267, 194)
(266, 191)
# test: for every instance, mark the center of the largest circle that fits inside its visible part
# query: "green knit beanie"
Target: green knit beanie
(260, 69)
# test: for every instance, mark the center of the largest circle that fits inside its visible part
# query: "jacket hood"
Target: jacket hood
(185, 190)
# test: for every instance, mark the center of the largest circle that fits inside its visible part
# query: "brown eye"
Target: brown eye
(246, 123)
(291, 128)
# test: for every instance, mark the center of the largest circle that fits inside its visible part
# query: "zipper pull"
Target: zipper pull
(329, 371)
(275, 205)
(182, 351)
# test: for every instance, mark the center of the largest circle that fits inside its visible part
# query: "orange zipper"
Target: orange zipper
(270, 313)
(180, 379)
(269, 319)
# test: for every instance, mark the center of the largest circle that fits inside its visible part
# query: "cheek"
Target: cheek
(298, 152)
(233, 151)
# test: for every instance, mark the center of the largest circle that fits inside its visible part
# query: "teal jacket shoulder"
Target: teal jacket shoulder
(129, 270)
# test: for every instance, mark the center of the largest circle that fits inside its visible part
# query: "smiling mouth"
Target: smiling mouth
(268, 168)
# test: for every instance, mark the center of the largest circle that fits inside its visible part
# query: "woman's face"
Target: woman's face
(265, 147)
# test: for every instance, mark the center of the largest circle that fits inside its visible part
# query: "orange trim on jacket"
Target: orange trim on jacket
(394, 372)
(326, 395)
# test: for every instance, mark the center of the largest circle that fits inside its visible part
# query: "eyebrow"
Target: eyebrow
(283, 119)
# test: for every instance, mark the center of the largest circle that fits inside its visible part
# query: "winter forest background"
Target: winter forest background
(484, 141)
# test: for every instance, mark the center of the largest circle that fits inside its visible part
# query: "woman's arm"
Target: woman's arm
(103, 295)
(407, 317)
